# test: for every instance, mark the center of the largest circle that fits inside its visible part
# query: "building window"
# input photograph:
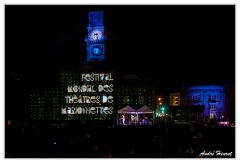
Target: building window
(196, 98)
(141, 100)
(212, 97)
(212, 106)
(126, 99)
(212, 116)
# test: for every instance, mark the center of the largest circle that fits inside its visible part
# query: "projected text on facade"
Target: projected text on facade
(91, 94)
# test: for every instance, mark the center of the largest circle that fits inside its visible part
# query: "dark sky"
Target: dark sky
(173, 44)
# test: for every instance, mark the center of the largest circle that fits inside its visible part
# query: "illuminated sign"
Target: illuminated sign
(89, 94)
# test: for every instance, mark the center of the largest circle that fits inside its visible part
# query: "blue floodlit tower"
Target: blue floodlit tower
(96, 39)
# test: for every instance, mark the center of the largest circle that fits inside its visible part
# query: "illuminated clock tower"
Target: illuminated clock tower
(96, 39)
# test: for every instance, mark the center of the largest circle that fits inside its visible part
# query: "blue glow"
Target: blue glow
(211, 97)
(95, 40)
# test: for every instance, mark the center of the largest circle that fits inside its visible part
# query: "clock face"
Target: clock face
(96, 35)
(96, 51)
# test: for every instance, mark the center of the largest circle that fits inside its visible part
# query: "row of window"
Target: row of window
(210, 98)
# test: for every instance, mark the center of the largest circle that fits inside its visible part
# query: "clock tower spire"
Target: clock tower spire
(95, 40)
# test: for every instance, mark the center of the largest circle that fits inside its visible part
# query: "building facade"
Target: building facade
(213, 98)
(93, 92)
(136, 92)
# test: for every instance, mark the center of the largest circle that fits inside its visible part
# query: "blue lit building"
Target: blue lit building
(218, 101)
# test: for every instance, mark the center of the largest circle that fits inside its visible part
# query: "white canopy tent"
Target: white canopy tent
(145, 110)
(126, 110)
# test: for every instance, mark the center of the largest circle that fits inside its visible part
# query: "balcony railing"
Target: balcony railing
(213, 100)
(196, 101)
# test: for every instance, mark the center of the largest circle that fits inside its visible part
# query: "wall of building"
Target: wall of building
(136, 97)
(80, 96)
(213, 99)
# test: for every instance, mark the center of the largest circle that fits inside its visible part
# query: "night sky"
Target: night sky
(172, 44)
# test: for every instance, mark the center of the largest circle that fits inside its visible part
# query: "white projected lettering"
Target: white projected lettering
(90, 88)
(89, 99)
(93, 95)
(97, 77)
(87, 110)
(105, 88)
(82, 88)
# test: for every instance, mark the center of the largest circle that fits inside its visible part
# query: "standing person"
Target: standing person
(132, 119)
(123, 119)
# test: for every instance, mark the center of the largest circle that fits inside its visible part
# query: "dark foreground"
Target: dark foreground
(120, 142)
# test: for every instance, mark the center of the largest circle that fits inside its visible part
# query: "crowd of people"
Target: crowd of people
(149, 141)
(131, 119)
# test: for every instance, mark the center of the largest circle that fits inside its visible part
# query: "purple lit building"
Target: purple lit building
(218, 101)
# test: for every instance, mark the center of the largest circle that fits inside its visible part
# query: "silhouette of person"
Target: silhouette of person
(123, 119)
(132, 118)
